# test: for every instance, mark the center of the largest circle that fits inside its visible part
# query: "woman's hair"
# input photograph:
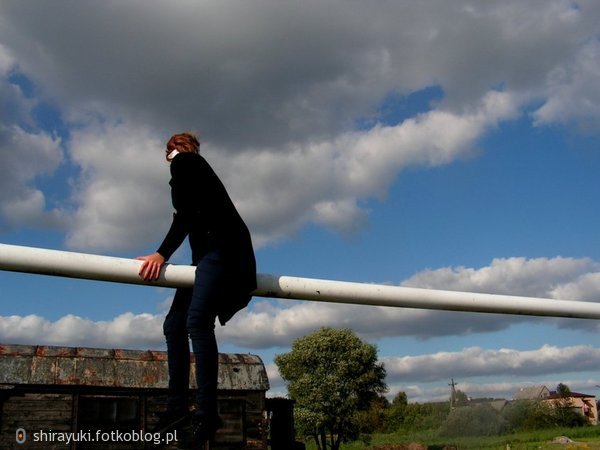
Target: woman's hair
(186, 142)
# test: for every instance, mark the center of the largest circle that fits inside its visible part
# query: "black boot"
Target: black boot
(172, 420)
(200, 431)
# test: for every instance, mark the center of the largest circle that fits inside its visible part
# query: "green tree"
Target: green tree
(397, 411)
(400, 400)
(563, 390)
(425, 416)
(460, 398)
(375, 417)
(332, 376)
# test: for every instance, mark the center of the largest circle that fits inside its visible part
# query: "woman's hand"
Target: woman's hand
(150, 268)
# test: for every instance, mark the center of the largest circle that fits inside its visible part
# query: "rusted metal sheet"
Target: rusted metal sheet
(242, 372)
(49, 365)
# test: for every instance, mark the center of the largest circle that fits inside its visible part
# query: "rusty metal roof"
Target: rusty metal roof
(49, 365)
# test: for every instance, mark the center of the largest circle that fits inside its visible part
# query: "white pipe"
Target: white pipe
(106, 268)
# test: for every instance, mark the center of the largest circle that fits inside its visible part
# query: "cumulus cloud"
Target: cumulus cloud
(585, 287)
(27, 155)
(537, 277)
(7, 62)
(128, 330)
(558, 278)
(272, 326)
(475, 361)
(275, 380)
(122, 192)
(414, 375)
(299, 71)
(428, 392)
(276, 90)
(573, 95)
(278, 323)
(324, 182)
(123, 198)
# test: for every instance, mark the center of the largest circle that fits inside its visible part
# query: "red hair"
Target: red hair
(186, 142)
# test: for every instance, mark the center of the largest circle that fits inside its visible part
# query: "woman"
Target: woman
(225, 276)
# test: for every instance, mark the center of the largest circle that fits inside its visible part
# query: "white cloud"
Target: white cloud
(585, 288)
(143, 331)
(275, 380)
(475, 362)
(491, 373)
(297, 71)
(324, 182)
(572, 92)
(416, 375)
(27, 155)
(428, 392)
(7, 62)
(276, 90)
(538, 277)
(558, 278)
(277, 324)
(122, 192)
(366, 163)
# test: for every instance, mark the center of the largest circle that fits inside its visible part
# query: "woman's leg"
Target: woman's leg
(178, 350)
(207, 293)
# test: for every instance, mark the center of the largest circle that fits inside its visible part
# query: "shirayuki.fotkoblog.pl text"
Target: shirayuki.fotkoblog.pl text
(68, 437)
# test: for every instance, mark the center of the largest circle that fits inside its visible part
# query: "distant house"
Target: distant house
(532, 393)
(584, 404)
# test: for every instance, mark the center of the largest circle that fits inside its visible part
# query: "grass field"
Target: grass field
(583, 438)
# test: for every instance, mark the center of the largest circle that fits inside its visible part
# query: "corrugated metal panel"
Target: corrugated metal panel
(26, 364)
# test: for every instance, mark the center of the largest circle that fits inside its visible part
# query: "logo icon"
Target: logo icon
(21, 435)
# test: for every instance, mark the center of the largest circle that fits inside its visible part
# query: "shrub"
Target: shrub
(479, 420)
(529, 415)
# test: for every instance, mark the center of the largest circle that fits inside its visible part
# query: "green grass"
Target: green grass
(585, 438)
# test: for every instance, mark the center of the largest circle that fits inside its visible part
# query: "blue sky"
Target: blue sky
(441, 144)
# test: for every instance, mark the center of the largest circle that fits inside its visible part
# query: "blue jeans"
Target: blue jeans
(193, 314)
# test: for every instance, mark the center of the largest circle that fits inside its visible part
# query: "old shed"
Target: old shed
(48, 392)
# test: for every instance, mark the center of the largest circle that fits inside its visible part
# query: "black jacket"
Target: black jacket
(206, 214)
